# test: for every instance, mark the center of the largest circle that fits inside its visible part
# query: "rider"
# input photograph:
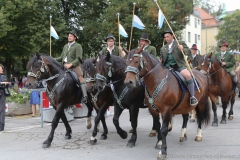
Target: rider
(171, 56)
(113, 49)
(70, 59)
(228, 62)
(194, 56)
(144, 41)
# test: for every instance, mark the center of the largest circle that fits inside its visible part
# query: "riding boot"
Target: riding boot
(1, 127)
(235, 81)
(84, 90)
(235, 87)
(193, 100)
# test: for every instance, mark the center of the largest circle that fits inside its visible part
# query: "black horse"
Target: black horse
(101, 100)
(62, 89)
(111, 73)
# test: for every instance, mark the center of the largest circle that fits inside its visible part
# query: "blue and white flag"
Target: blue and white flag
(54, 33)
(160, 19)
(138, 23)
(122, 31)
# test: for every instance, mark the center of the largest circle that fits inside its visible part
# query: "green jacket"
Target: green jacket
(228, 58)
(176, 53)
(194, 60)
(74, 52)
(151, 50)
(115, 51)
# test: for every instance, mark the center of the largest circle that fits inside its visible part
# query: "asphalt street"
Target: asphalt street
(23, 138)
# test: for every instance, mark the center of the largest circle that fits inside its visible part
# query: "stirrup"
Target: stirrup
(193, 101)
(84, 99)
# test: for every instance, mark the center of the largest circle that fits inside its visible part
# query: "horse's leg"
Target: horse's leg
(134, 110)
(117, 112)
(230, 113)
(105, 129)
(215, 118)
(157, 125)
(224, 114)
(164, 131)
(89, 115)
(193, 116)
(153, 132)
(55, 122)
(183, 136)
(97, 119)
(68, 134)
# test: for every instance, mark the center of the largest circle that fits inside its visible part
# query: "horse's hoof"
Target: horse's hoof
(46, 145)
(93, 142)
(158, 145)
(89, 126)
(223, 121)
(182, 139)
(192, 120)
(198, 139)
(123, 135)
(103, 137)
(130, 131)
(152, 134)
(230, 117)
(67, 137)
(161, 157)
(214, 124)
(170, 129)
(131, 144)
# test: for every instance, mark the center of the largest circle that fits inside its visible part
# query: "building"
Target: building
(192, 32)
(209, 31)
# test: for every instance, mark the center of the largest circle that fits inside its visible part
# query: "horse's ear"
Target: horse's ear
(38, 55)
(139, 50)
(209, 55)
(108, 56)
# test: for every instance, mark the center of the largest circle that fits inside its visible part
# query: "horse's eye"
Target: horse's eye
(136, 62)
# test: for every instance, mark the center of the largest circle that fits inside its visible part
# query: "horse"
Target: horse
(62, 89)
(111, 73)
(238, 76)
(101, 100)
(165, 95)
(220, 84)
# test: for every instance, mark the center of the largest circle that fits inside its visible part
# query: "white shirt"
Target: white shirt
(111, 50)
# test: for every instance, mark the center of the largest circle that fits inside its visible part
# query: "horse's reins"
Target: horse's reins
(209, 67)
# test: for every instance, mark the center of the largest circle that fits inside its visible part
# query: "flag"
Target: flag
(54, 33)
(122, 31)
(138, 23)
(160, 19)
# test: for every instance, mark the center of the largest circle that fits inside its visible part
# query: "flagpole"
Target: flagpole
(188, 67)
(118, 31)
(50, 35)
(132, 26)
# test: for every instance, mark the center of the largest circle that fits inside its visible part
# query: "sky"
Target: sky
(230, 4)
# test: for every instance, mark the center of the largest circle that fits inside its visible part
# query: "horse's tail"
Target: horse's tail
(203, 115)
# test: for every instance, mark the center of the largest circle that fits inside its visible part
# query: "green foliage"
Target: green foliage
(20, 98)
(229, 31)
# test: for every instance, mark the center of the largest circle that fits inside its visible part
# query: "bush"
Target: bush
(21, 97)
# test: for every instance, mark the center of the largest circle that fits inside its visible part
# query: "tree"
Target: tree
(212, 7)
(229, 31)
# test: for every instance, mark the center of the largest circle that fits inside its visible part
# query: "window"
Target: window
(195, 22)
(189, 37)
(199, 37)
(196, 38)
(198, 22)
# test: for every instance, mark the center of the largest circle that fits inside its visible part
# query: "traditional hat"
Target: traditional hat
(73, 32)
(167, 31)
(110, 35)
(194, 47)
(145, 37)
(223, 44)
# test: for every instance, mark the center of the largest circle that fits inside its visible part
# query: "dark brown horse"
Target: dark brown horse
(164, 93)
(101, 100)
(220, 84)
(111, 73)
(62, 90)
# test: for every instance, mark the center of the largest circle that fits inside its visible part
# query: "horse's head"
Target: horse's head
(37, 70)
(139, 63)
(208, 64)
(109, 68)
(89, 67)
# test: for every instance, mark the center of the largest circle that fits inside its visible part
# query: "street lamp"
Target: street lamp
(206, 31)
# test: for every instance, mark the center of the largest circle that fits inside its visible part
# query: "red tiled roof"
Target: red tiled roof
(207, 19)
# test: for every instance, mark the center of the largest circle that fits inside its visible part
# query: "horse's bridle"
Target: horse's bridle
(209, 67)
(38, 74)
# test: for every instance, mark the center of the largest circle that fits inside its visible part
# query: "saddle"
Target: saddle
(76, 80)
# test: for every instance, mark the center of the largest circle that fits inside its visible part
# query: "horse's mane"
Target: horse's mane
(118, 63)
(88, 63)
